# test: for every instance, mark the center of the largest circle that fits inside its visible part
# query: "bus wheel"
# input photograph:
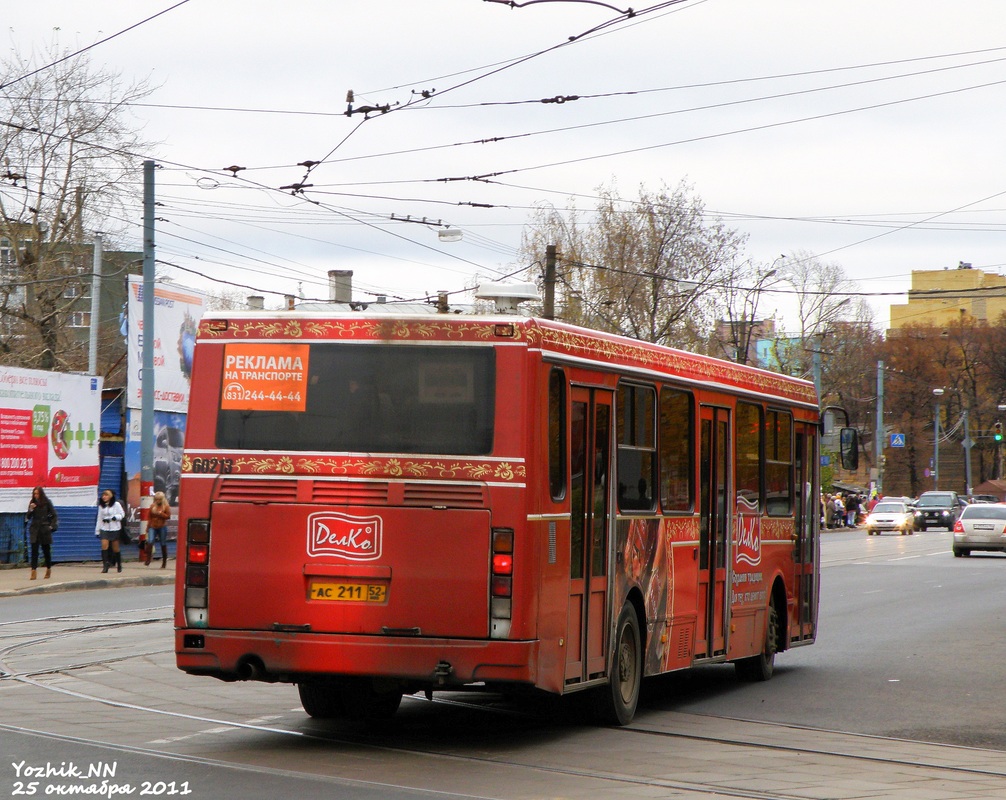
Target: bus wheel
(616, 702)
(362, 700)
(321, 699)
(761, 666)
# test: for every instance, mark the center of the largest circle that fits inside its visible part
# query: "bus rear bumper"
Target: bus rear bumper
(292, 657)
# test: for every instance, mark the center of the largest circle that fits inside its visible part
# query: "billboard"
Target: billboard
(49, 429)
(177, 312)
(169, 435)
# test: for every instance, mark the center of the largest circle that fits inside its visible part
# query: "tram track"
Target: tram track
(685, 789)
(32, 638)
(741, 747)
(643, 730)
(682, 789)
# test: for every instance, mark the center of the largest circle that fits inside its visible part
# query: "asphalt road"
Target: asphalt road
(911, 644)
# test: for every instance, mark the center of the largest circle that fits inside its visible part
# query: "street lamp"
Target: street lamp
(450, 234)
(937, 393)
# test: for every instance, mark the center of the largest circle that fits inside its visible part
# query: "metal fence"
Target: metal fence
(13, 539)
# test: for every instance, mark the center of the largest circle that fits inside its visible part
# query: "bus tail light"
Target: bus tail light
(197, 573)
(501, 583)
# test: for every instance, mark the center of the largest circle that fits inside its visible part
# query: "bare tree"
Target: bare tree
(822, 292)
(824, 299)
(68, 150)
(653, 268)
(742, 326)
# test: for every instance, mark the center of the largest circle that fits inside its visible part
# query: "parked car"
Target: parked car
(985, 498)
(982, 526)
(890, 515)
(937, 509)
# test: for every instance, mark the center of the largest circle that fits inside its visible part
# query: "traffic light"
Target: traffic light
(997, 431)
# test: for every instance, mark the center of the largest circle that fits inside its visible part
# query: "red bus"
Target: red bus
(376, 506)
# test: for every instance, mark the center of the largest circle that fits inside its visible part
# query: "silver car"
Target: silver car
(890, 515)
(982, 526)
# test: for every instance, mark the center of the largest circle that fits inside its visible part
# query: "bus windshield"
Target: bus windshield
(376, 398)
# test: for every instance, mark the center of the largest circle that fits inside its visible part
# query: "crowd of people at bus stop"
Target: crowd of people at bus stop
(844, 509)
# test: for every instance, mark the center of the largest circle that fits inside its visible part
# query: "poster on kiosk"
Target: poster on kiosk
(49, 428)
(177, 311)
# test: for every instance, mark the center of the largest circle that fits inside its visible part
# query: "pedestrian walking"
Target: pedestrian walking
(42, 523)
(851, 510)
(109, 529)
(157, 527)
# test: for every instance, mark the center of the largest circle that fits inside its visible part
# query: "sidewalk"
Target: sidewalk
(15, 581)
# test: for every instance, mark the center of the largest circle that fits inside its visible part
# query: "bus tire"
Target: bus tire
(616, 702)
(321, 699)
(362, 700)
(761, 666)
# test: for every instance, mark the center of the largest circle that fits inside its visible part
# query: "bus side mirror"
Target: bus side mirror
(849, 448)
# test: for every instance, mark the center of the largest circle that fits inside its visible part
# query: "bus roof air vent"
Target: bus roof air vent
(507, 296)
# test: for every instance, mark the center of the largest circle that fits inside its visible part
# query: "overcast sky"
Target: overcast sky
(870, 133)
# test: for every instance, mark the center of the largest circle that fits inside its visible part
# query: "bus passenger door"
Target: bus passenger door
(590, 466)
(808, 515)
(714, 531)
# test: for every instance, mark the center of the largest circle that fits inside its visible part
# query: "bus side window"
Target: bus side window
(750, 432)
(677, 450)
(637, 447)
(779, 463)
(557, 434)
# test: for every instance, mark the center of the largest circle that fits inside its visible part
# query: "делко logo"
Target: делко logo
(333, 534)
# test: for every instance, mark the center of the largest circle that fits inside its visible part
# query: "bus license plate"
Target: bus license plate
(348, 592)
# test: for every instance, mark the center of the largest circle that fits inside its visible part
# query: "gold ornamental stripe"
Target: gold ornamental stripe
(678, 362)
(446, 469)
(335, 329)
(780, 528)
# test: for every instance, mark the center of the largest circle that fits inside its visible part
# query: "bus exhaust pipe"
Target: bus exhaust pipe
(251, 669)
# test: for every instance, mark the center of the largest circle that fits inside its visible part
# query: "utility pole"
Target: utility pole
(147, 379)
(816, 361)
(548, 311)
(92, 349)
(937, 393)
(998, 436)
(967, 453)
(878, 444)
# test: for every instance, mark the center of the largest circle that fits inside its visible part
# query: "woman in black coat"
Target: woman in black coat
(42, 521)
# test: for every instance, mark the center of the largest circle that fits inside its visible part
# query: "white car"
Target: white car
(889, 515)
(982, 526)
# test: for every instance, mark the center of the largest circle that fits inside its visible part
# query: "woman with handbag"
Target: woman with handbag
(109, 529)
(42, 522)
(157, 527)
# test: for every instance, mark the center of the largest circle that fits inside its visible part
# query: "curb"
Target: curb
(95, 583)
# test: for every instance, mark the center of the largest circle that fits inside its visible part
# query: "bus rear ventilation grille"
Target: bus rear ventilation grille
(350, 492)
(250, 490)
(435, 494)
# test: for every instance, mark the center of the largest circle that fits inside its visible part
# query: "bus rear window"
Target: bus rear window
(370, 398)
